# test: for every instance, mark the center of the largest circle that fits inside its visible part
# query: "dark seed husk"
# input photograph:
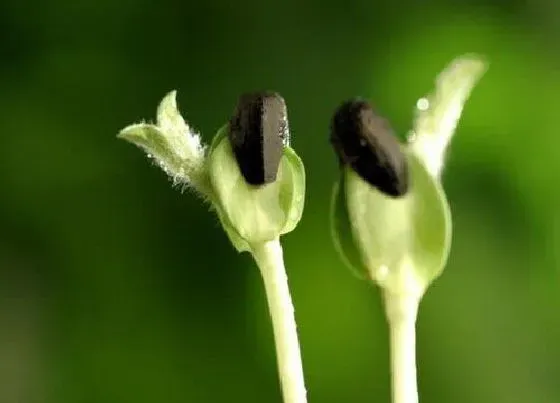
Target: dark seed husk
(364, 140)
(258, 131)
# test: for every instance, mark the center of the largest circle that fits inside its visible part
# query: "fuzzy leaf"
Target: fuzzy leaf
(155, 143)
(173, 145)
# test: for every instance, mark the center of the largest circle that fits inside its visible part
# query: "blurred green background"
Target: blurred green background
(115, 287)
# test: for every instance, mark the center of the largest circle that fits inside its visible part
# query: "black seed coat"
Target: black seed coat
(258, 131)
(365, 141)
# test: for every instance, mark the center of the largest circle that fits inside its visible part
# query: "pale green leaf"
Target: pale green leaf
(437, 114)
(173, 145)
(155, 144)
(341, 231)
(404, 242)
(257, 213)
(292, 194)
(236, 240)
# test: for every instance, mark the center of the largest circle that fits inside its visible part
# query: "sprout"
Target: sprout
(256, 184)
(390, 219)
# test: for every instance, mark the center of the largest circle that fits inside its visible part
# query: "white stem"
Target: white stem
(271, 264)
(401, 315)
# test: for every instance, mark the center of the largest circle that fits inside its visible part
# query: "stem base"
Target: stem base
(401, 310)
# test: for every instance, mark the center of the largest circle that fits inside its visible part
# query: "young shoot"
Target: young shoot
(255, 183)
(390, 219)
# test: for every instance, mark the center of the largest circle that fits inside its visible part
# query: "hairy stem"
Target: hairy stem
(271, 264)
(401, 315)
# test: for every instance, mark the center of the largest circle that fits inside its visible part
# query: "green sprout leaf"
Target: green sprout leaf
(172, 144)
(256, 214)
(437, 115)
(404, 242)
(155, 143)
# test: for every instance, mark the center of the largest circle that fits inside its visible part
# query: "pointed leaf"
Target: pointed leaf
(155, 143)
(183, 139)
(174, 146)
(437, 115)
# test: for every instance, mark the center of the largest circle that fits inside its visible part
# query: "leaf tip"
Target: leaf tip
(132, 132)
(167, 108)
(470, 65)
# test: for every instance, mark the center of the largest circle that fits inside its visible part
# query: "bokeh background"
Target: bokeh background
(115, 287)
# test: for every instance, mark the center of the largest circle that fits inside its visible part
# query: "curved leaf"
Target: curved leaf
(237, 241)
(404, 242)
(257, 213)
(341, 232)
(292, 194)
(437, 115)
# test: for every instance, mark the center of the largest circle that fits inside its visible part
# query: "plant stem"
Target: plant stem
(271, 264)
(401, 312)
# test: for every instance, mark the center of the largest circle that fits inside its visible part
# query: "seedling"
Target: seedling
(390, 219)
(255, 182)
